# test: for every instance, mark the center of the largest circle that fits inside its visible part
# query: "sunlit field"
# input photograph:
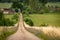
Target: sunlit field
(49, 19)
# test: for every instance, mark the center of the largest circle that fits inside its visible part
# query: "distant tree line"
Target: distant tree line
(28, 0)
(54, 0)
(10, 0)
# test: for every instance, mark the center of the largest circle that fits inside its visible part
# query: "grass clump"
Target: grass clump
(44, 24)
(4, 34)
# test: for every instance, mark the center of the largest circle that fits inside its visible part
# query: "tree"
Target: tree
(1, 15)
(4, 21)
(43, 2)
(29, 21)
(16, 10)
(17, 5)
(26, 2)
(15, 17)
(35, 5)
(1, 18)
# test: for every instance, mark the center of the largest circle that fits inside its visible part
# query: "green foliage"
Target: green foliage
(36, 6)
(44, 24)
(43, 1)
(46, 10)
(17, 5)
(27, 10)
(1, 23)
(4, 34)
(16, 10)
(1, 18)
(52, 19)
(28, 21)
(15, 17)
(6, 21)
(32, 6)
(41, 12)
(26, 2)
(1, 15)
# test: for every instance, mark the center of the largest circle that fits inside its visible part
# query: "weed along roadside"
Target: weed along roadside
(45, 33)
(8, 24)
(6, 31)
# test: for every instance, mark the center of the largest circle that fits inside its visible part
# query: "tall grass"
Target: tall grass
(4, 34)
(48, 18)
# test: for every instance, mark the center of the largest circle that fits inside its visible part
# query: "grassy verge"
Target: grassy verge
(50, 35)
(4, 34)
(46, 37)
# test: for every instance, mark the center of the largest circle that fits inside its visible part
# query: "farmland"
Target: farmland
(5, 5)
(12, 17)
(49, 19)
(8, 16)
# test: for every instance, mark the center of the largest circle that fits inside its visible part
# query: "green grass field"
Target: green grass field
(5, 5)
(50, 19)
(8, 16)
(12, 17)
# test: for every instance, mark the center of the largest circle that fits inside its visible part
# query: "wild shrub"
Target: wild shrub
(15, 17)
(5, 21)
(28, 21)
(44, 24)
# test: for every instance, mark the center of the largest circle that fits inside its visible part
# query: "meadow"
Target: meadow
(52, 19)
(5, 5)
(9, 16)
(12, 17)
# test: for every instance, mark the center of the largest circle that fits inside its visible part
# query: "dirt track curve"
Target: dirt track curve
(22, 33)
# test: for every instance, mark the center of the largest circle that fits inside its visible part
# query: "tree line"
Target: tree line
(10, 0)
(28, 0)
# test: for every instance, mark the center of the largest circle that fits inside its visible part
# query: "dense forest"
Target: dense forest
(23, 0)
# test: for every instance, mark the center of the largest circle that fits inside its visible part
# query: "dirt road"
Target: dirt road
(21, 33)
